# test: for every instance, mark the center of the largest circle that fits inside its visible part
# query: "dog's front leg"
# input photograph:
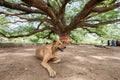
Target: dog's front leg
(47, 66)
(56, 60)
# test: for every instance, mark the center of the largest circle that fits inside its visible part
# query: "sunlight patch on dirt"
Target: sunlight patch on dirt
(29, 49)
(98, 57)
(105, 57)
(2, 55)
(23, 54)
(80, 58)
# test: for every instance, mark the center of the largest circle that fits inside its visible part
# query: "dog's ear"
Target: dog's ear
(54, 41)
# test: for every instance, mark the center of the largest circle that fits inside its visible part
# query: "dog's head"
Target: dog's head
(58, 45)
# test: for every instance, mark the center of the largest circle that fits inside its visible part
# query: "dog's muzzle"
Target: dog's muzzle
(61, 49)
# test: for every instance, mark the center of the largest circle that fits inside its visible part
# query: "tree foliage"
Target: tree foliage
(56, 17)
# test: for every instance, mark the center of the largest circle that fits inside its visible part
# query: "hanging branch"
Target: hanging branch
(105, 9)
(29, 34)
(39, 25)
(19, 7)
(99, 24)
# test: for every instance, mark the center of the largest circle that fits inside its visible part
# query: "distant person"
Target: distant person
(108, 43)
(113, 43)
(117, 43)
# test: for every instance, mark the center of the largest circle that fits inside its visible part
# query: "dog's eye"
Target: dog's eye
(59, 43)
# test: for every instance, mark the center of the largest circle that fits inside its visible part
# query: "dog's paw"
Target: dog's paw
(57, 61)
(52, 73)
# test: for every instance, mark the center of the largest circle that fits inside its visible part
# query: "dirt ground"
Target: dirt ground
(79, 62)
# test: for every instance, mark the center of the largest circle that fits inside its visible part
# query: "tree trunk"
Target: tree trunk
(61, 32)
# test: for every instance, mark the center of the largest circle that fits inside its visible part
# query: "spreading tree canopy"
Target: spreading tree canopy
(57, 16)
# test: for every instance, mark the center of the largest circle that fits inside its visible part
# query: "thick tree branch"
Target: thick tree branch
(19, 7)
(100, 10)
(28, 19)
(88, 25)
(64, 3)
(99, 24)
(108, 22)
(105, 9)
(12, 22)
(50, 11)
(82, 15)
(40, 4)
(29, 34)
(36, 19)
(12, 14)
(61, 13)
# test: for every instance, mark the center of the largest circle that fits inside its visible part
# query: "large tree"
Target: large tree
(54, 14)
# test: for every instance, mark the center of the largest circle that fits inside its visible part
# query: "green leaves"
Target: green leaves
(78, 35)
(72, 9)
(50, 17)
(55, 3)
(13, 1)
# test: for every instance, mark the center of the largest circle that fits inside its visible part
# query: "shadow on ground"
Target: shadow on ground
(79, 62)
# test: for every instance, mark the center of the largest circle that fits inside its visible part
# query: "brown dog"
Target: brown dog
(47, 52)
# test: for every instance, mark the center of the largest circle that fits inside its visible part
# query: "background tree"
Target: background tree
(56, 16)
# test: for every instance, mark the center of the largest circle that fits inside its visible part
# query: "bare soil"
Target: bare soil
(79, 62)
